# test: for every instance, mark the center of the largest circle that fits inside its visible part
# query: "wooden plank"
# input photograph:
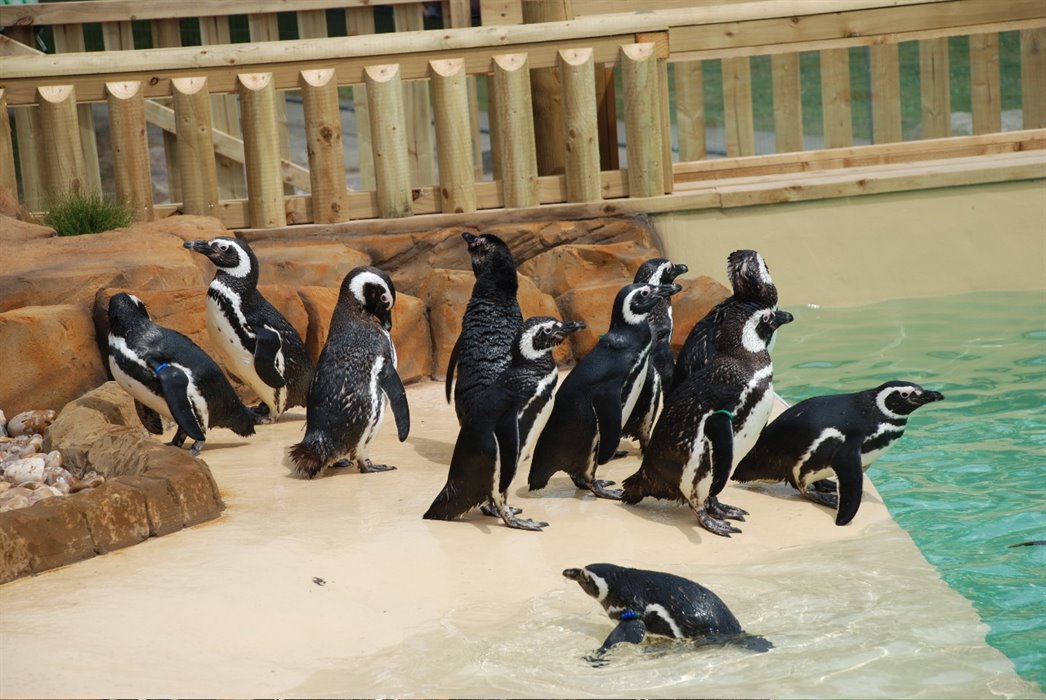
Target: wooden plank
(312, 24)
(69, 38)
(265, 27)
(417, 107)
(261, 151)
(643, 123)
(167, 33)
(515, 123)
(788, 105)
(666, 122)
(450, 100)
(319, 94)
(546, 93)
(117, 36)
(885, 93)
(27, 133)
(985, 101)
(738, 120)
(835, 98)
(60, 150)
(131, 170)
(581, 124)
(1033, 77)
(391, 171)
(225, 111)
(457, 13)
(933, 81)
(192, 111)
(8, 180)
(495, 12)
(360, 22)
(690, 110)
(477, 144)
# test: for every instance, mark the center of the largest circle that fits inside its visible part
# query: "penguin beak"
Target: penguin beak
(471, 239)
(385, 316)
(198, 246)
(667, 290)
(782, 317)
(927, 397)
(569, 327)
(572, 574)
(680, 269)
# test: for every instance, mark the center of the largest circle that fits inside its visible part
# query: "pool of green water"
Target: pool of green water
(968, 478)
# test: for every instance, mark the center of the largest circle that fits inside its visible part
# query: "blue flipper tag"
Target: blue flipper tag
(162, 367)
(629, 615)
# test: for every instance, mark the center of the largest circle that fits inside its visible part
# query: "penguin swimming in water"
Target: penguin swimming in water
(711, 420)
(658, 377)
(255, 342)
(489, 324)
(355, 373)
(841, 433)
(752, 286)
(584, 427)
(651, 602)
(494, 431)
(169, 375)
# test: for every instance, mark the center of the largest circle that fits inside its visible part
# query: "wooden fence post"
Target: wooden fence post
(391, 172)
(545, 91)
(581, 125)
(319, 94)
(265, 27)
(416, 106)
(788, 103)
(690, 110)
(225, 114)
(69, 38)
(127, 129)
(933, 82)
(261, 150)
(835, 98)
(453, 135)
(1033, 76)
(195, 144)
(738, 122)
(886, 93)
(360, 20)
(515, 121)
(167, 33)
(643, 124)
(60, 149)
(985, 102)
(7, 152)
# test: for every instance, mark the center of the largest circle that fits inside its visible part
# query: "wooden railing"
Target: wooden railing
(549, 93)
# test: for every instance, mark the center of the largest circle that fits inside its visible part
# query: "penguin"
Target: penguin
(355, 373)
(711, 420)
(750, 278)
(254, 341)
(584, 427)
(169, 375)
(489, 324)
(652, 602)
(497, 426)
(840, 434)
(660, 366)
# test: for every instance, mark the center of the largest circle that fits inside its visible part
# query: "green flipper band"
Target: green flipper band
(725, 412)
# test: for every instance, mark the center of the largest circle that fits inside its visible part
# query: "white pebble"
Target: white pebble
(27, 469)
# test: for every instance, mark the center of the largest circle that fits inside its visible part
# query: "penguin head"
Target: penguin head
(126, 311)
(897, 398)
(635, 301)
(760, 325)
(489, 255)
(539, 335)
(231, 256)
(659, 271)
(373, 290)
(750, 277)
(594, 579)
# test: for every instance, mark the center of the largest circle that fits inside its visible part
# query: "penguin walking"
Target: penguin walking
(653, 602)
(253, 339)
(496, 428)
(658, 376)
(169, 375)
(752, 284)
(355, 373)
(840, 434)
(710, 421)
(584, 427)
(489, 324)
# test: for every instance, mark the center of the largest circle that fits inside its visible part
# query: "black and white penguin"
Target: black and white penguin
(355, 373)
(494, 431)
(584, 427)
(489, 324)
(659, 371)
(840, 434)
(254, 341)
(712, 420)
(752, 287)
(169, 375)
(652, 602)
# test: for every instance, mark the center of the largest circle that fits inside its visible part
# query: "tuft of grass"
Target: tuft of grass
(77, 213)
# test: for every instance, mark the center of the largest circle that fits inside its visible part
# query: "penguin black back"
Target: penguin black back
(489, 324)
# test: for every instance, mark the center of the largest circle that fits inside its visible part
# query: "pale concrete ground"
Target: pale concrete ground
(338, 587)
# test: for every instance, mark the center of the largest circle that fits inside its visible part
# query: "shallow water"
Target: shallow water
(966, 480)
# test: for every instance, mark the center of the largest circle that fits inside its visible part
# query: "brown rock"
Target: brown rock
(11, 207)
(70, 270)
(116, 515)
(446, 294)
(14, 232)
(412, 338)
(306, 262)
(14, 548)
(592, 304)
(319, 305)
(50, 357)
(162, 507)
(190, 479)
(52, 534)
(689, 306)
(569, 267)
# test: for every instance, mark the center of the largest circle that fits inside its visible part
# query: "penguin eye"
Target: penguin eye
(386, 298)
(223, 246)
(767, 315)
(644, 292)
(905, 393)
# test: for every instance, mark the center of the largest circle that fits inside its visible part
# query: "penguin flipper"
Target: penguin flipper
(632, 631)
(175, 386)
(150, 418)
(607, 405)
(267, 345)
(452, 364)
(392, 386)
(847, 466)
(720, 434)
(507, 434)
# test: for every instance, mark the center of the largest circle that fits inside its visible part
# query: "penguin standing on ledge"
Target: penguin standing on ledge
(489, 325)
(255, 342)
(658, 376)
(840, 434)
(169, 375)
(356, 371)
(492, 435)
(585, 425)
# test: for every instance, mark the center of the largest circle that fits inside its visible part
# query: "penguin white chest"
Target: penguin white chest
(141, 393)
(638, 377)
(746, 436)
(238, 359)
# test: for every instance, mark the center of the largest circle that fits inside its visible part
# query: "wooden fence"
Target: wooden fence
(548, 91)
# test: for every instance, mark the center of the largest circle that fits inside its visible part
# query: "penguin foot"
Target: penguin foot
(523, 523)
(824, 486)
(825, 499)
(366, 467)
(196, 447)
(722, 511)
(599, 488)
(262, 416)
(715, 525)
(490, 509)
